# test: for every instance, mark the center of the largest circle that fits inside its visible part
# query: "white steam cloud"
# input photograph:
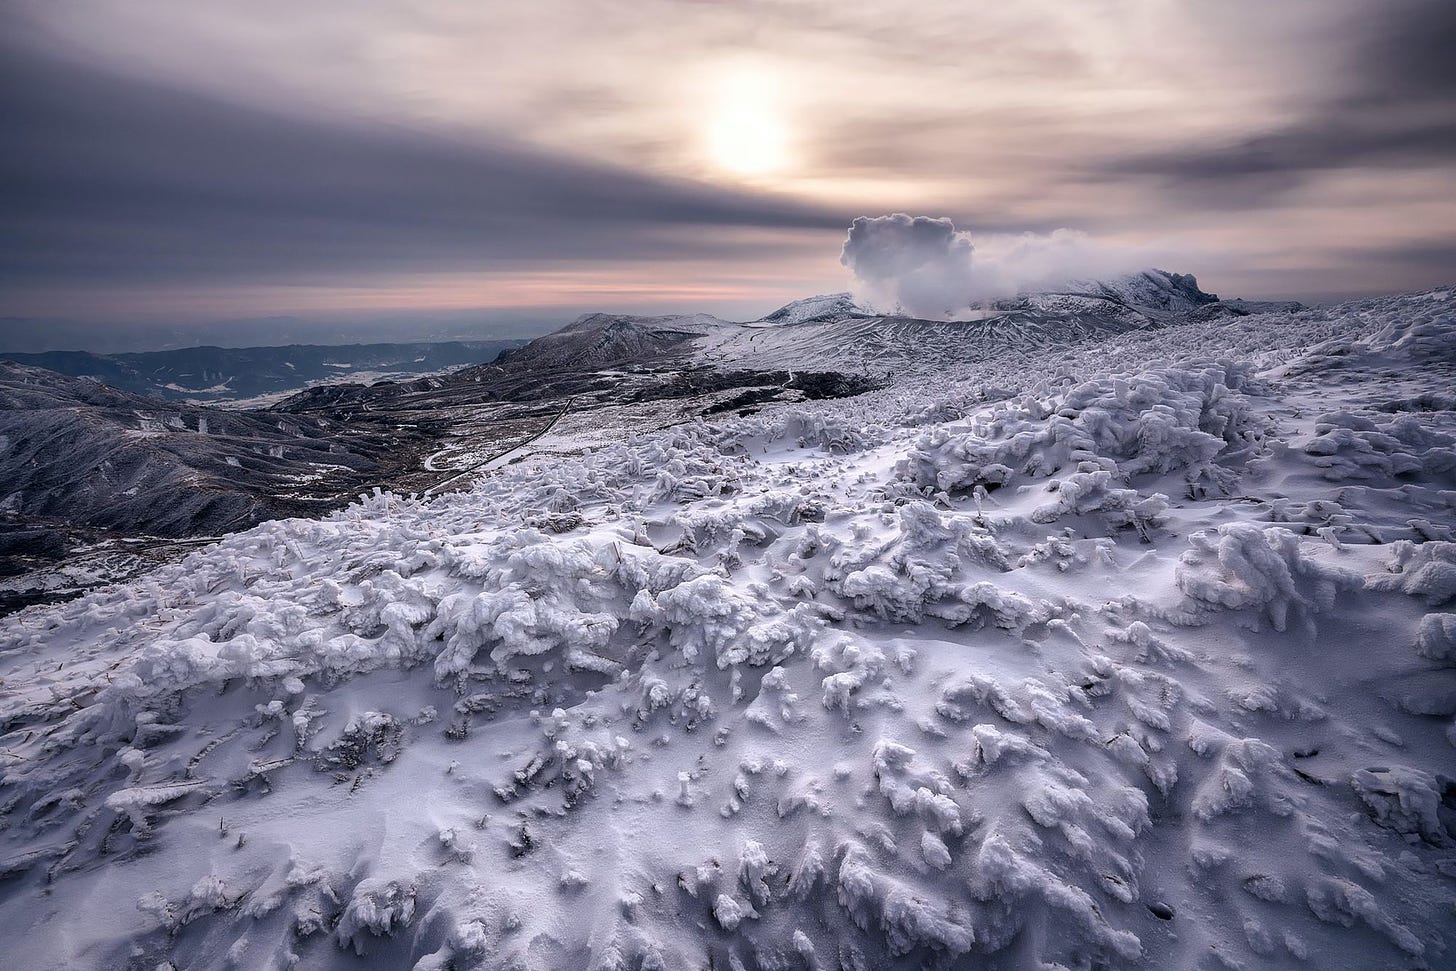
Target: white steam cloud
(927, 267)
(917, 263)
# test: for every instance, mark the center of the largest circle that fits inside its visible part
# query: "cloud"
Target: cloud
(1389, 109)
(177, 146)
(112, 180)
(929, 268)
(1011, 264)
(920, 264)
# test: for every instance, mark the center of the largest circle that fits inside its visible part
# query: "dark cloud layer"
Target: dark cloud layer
(1408, 54)
(1392, 105)
(106, 178)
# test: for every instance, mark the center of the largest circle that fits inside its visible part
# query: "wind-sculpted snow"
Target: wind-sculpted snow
(1137, 653)
(1243, 566)
(1127, 426)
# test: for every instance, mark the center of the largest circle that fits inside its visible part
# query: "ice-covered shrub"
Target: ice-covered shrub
(1083, 493)
(1406, 800)
(932, 566)
(1426, 571)
(1172, 419)
(1241, 566)
(378, 906)
(1349, 447)
(1436, 637)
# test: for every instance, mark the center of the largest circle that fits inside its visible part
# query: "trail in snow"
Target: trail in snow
(503, 457)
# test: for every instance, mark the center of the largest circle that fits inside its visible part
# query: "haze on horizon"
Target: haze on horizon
(451, 161)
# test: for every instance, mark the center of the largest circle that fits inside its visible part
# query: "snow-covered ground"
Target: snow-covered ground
(1137, 652)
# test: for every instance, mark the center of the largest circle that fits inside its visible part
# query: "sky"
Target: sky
(361, 167)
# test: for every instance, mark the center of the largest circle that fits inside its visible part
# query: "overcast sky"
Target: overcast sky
(180, 160)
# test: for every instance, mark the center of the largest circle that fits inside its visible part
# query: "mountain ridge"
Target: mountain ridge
(837, 332)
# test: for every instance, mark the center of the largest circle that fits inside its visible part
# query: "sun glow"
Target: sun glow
(746, 136)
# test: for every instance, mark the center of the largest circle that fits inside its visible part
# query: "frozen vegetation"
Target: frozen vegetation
(1133, 652)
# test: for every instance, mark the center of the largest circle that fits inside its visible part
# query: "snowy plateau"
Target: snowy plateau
(1114, 630)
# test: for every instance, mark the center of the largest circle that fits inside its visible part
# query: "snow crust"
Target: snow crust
(1133, 653)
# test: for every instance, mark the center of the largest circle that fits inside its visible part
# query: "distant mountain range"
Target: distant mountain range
(834, 332)
(231, 374)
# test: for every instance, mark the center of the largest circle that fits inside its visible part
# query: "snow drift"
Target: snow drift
(1074, 657)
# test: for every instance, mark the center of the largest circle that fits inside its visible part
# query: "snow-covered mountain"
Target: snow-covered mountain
(593, 340)
(832, 332)
(1137, 651)
(90, 473)
(1155, 289)
(828, 306)
(896, 347)
(1133, 296)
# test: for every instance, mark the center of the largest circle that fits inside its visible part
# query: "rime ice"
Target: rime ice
(1133, 653)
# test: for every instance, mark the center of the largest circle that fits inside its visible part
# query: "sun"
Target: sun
(746, 141)
(745, 134)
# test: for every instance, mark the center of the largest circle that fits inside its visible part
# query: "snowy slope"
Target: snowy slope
(1138, 652)
(78, 452)
(599, 339)
(828, 305)
(1155, 289)
(1134, 298)
(901, 346)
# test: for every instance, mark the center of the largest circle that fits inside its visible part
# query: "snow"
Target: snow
(1133, 650)
(831, 305)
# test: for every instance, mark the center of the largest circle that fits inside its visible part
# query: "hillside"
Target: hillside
(98, 484)
(594, 340)
(1131, 651)
(77, 451)
(603, 375)
(95, 482)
